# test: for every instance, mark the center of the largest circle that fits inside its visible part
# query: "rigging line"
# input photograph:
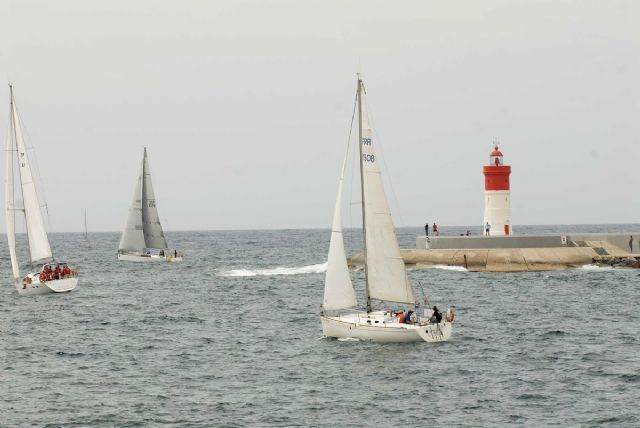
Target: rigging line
(388, 175)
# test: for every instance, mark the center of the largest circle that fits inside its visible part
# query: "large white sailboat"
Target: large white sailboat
(55, 277)
(143, 239)
(386, 280)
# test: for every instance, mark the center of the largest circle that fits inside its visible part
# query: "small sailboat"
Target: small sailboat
(386, 280)
(55, 277)
(143, 239)
(86, 234)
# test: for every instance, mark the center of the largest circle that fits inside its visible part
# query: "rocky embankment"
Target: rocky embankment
(631, 261)
(515, 259)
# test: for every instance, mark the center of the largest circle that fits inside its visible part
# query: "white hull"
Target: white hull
(372, 326)
(56, 286)
(141, 258)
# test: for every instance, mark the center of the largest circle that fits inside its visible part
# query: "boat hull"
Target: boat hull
(140, 258)
(372, 327)
(57, 286)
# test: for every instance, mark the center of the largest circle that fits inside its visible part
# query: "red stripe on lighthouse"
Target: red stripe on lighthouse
(496, 177)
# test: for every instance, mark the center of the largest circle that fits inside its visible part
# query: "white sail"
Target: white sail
(132, 239)
(387, 277)
(153, 234)
(10, 214)
(338, 290)
(39, 248)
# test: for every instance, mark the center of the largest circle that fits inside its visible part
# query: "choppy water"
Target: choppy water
(231, 337)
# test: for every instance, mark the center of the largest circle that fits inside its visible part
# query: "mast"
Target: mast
(364, 221)
(142, 193)
(10, 201)
(85, 225)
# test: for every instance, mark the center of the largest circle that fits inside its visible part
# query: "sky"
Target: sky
(245, 106)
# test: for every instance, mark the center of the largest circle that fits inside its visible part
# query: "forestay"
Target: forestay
(338, 290)
(39, 248)
(387, 277)
(10, 216)
(153, 234)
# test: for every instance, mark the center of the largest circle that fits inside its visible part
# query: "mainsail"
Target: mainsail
(133, 236)
(386, 275)
(338, 290)
(153, 234)
(39, 248)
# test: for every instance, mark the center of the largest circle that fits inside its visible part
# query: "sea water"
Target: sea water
(231, 337)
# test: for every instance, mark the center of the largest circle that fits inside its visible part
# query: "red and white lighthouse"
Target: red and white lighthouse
(497, 195)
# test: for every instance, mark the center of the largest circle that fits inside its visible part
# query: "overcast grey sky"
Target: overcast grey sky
(245, 106)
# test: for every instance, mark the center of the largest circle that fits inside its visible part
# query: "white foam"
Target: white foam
(445, 267)
(595, 267)
(319, 268)
(348, 339)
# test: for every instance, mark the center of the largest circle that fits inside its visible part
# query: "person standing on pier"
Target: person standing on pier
(631, 244)
(487, 229)
(435, 229)
(426, 229)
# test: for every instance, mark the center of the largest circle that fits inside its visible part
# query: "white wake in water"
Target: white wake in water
(445, 267)
(595, 268)
(319, 268)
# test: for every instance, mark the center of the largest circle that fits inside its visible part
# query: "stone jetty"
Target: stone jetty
(547, 253)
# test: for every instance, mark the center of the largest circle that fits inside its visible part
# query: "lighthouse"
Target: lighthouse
(497, 195)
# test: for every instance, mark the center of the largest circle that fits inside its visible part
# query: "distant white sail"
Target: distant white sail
(153, 234)
(338, 289)
(133, 236)
(10, 214)
(39, 248)
(387, 276)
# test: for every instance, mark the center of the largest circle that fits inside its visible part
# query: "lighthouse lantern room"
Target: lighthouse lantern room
(497, 195)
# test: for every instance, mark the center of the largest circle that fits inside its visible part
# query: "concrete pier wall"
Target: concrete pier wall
(610, 240)
(518, 253)
(470, 242)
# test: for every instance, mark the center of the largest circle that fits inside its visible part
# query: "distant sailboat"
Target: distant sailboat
(54, 277)
(386, 279)
(86, 234)
(143, 239)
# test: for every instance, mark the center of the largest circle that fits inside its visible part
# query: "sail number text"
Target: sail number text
(368, 158)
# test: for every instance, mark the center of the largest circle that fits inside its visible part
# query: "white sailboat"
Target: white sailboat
(143, 239)
(385, 275)
(55, 277)
(86, 234)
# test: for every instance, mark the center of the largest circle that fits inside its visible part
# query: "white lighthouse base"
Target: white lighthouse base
(497, 212)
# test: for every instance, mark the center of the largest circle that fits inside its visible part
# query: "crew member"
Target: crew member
(409, 318)
(436, 317)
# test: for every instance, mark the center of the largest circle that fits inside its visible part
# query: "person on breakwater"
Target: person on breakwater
(487, 229)
(435, 229)
(426, 229)
(631, 244)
